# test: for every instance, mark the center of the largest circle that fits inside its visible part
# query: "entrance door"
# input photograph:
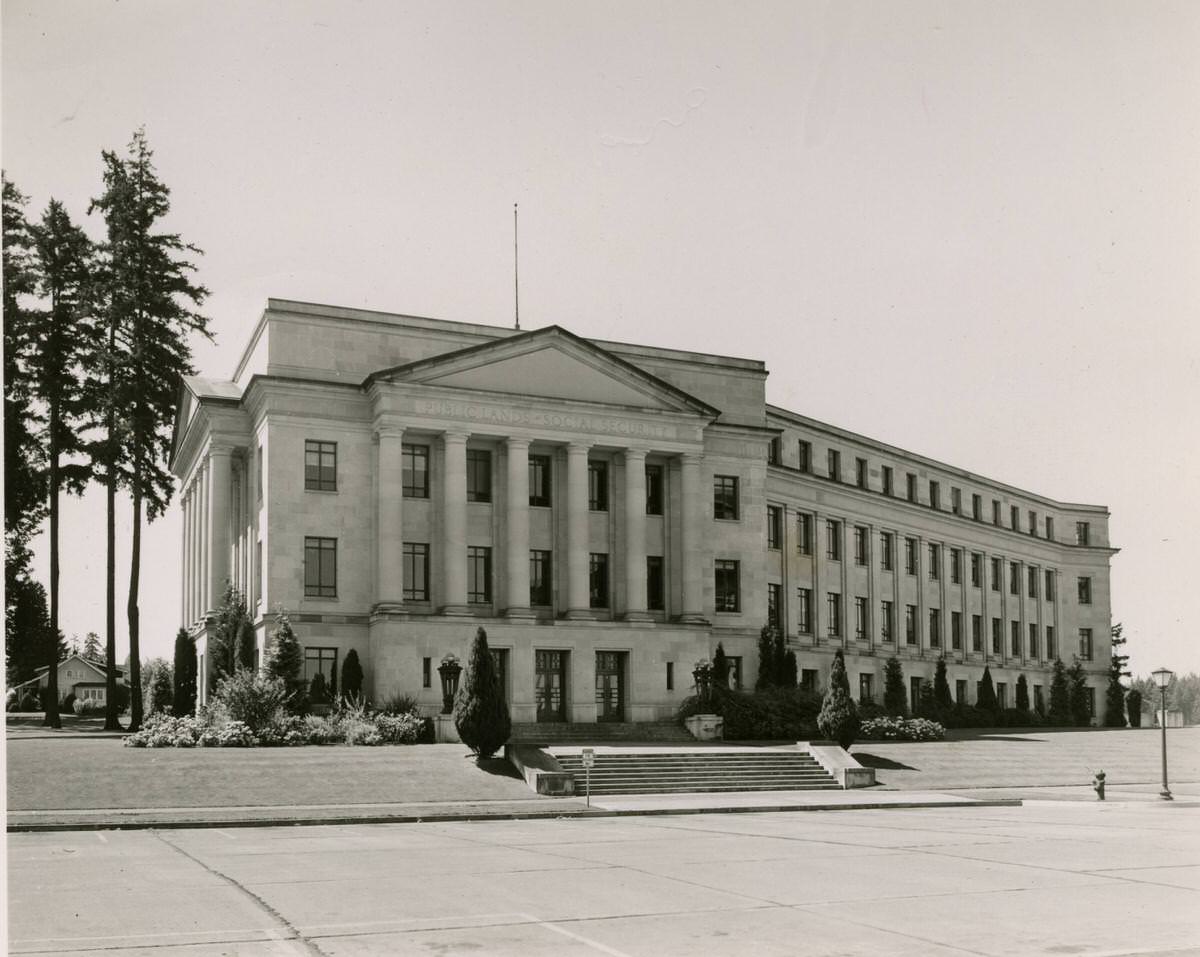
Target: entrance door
(550, 688)
(610, 686)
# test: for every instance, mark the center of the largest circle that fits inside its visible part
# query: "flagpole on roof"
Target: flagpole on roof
(516, 282)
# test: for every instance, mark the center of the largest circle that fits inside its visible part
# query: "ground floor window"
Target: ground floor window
(866, 691)
(914, 692)
(808, 680)
(1002, 695)
(322, 661)
(727, 586)
(960, 691)
(1039, 703)
(735, 672)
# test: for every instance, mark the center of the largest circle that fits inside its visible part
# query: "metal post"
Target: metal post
(1166, 791)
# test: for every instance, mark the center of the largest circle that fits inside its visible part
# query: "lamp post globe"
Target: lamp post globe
(1162, 677)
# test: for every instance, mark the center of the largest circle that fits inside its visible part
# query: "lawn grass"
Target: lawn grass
(63, 770)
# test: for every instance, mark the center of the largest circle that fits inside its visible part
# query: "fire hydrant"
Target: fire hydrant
(1098, 785)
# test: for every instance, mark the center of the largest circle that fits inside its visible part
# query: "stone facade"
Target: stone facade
(634, 443)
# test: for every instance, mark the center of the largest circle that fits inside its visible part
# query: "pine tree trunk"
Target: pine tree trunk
(52, 718)
(111, 720)
(131, 609)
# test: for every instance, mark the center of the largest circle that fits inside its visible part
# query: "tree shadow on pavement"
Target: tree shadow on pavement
(880, 763)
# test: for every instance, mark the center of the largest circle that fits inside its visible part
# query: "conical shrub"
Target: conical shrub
(838, 719)
(480, 711)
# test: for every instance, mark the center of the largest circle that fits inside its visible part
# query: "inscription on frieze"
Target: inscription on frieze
(569, 422)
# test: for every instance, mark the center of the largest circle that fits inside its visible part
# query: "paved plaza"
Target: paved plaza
(1047, 878)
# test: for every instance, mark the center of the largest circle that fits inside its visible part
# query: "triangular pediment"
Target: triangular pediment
(549, 363)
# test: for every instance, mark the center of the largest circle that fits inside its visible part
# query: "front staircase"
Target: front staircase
(600, 732)
(686, 770)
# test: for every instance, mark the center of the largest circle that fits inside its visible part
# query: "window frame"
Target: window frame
(726, 504)
(412, 553)
(541, 481)
(323, 546)
(774, 527)
(833, 609)
(599, 581)
(325, 477)
(410, 454)
(804, 609)
(833, 539)
(479, 571)
(1083, 589)
(727, 571)
(656, 596)
(479, 467)
(541, 577)
(654, 489)
(598, 497)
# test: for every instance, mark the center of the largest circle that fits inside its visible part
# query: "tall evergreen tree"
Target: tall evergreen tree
(1022, 693)
(942, 699)
(245, 645)
(839, 719)
(1114, 695)
(790, 670)
(985, 697)
(61, 349)
(183, 698)
(720, 668)
(1060, 695)
(91, 647)
(285, 659)
(1077, 694)
(224, 640)
(152, 307)
(766, 660)
(352, 674)
(480, 712)
(25, 500)
(895, 695)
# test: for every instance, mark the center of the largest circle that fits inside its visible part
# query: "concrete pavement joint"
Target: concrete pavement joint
(292, 932)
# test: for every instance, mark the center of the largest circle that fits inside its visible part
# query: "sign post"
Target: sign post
(588, 758)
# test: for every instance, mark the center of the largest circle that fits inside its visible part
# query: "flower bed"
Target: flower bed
(901, 729)
(352, 726)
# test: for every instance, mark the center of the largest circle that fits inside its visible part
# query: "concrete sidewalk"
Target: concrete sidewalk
(609, 805)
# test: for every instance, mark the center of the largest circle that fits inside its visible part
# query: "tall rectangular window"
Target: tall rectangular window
(773, 589)
(415, 471)
(539, 480)
(1031, 574)
(1014, 518)
(997, 574)
(654, 490)
(1014, 578)
(1014, 629)
(598, 580)
(977, 569)
(1051, 644)
(804, 524)
(977, 507)
(261, 472)
(1085, 590)
(774, 526)
(1083, 533)
(541, 577)
(1002, 694)
(1032, 522)
(910, 556)
(860, 472)
(1049, 591)
(320, 466)
(833, 540)
(804, 450)
(834, 605)
(1085, 644)
(935, 628)
(996, 512)
(956, 566)
(804, 610)
(726, 574)
(886, 621)
(725, 497)
(1049, 528)
(655, 592)
(860, 618)
(888, 480)
(860, 544)
(479, 575)
(887, 551)
(977, 633)
(670, 676)
(866, 688)
(773, 451)
(597, 486)
(911, 490)
(834, 458)
(321, 661)
(1033, 640)
(320, 567)
(935, 494)
(426, 672)
(910, 624)
(479, 475)
(935, 562)
(997, 636)
(956, 500)
(956, 630)
(416, 571)
(960, 691)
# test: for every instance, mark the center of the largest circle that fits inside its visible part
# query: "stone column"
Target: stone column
(635, 535)
(454, 523)
(517, 522)
(220, 458)
(692, 539)
(204, 541)
(389, 507)
(578, 548)
(194, 551)
(184, 545)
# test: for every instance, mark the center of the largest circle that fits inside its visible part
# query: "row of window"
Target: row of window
(887, 487)
(320, 576)
(833, 623)
(833, 551)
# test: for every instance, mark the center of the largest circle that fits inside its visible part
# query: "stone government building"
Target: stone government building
(609, 512)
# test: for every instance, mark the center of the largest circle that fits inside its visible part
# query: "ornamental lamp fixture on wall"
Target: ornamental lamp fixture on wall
(1162, 678)
(702, 674)
(449, 671)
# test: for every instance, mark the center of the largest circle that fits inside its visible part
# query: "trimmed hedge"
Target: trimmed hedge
(773, 714)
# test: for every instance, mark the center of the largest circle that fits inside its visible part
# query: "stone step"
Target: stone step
(705, 788)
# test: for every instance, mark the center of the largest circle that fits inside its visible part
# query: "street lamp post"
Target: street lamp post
(1162, 678)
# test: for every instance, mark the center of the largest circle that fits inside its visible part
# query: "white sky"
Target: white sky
(966, 229)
